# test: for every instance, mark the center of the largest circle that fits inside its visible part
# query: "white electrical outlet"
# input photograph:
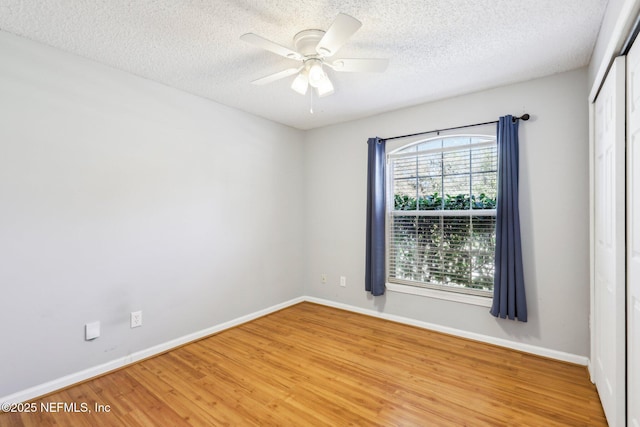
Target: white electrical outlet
(323, 278)
(343, 281)
(136, 319)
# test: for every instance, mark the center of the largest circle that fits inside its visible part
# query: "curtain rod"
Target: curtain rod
(523, 117)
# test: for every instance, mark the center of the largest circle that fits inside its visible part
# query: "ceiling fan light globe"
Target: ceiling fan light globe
(325, 88)
(316, 74)
(300, 84)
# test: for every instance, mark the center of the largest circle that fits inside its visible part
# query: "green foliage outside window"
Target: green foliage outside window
(444, 250)
(435, 201)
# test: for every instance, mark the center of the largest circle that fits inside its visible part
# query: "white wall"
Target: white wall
(120, 194)
(553, 205)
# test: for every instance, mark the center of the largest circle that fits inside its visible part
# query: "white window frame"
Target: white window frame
(461, 295)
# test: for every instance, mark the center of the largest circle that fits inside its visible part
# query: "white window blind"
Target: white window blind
(441, 230)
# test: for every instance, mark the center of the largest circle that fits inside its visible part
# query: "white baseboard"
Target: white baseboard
(527, 348)
(592, 377)
(68, 380)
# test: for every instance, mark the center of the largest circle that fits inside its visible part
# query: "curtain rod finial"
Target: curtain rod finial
(523, 117)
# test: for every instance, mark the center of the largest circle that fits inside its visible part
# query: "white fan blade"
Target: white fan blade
(338, 33)
(355, 65)
(265, 44)
(276, 76)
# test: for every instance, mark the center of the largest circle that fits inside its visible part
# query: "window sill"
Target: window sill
(433, 293)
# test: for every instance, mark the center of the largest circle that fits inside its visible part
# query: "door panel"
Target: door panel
(609, 274)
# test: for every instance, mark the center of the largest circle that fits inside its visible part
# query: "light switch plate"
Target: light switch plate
(91, 331)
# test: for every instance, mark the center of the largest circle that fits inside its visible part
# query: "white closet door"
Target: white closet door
(633, 236)
(609, 269)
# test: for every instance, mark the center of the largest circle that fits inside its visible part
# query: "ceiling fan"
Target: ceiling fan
(314, 48)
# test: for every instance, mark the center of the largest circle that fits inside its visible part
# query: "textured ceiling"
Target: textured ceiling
(436, 48)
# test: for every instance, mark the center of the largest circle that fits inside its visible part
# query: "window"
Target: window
(441, 228)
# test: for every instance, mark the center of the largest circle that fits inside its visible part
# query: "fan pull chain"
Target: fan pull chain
(311, 102)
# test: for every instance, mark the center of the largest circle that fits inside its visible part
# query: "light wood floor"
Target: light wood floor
(314, 365)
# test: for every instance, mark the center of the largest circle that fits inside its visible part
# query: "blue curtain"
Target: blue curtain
(374, 274)
(508, 289)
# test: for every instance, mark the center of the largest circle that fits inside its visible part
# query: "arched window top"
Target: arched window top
(443, 143)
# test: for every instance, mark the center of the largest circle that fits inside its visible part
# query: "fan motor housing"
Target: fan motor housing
(306, 41)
